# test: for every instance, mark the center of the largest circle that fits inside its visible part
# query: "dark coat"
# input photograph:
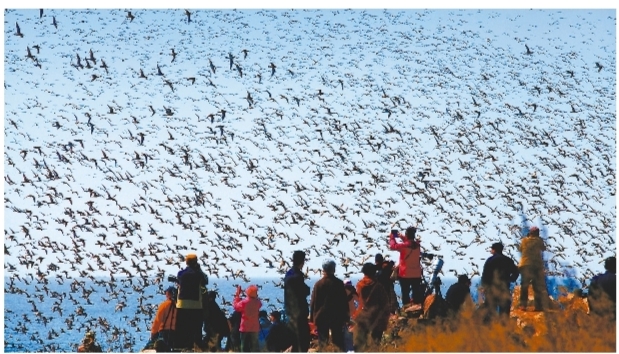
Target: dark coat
(216, 321)
(383, 274)
(499, 271)
(191, 280)
(329, 302)
(456, 295)
(295, 295)
(603, 288)
(279, 337)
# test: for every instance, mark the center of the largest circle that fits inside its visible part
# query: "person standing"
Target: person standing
(216, 325)
(602, 297)
(409, 265)
(383, 275)
(531, 269)
(351, 296)
(329, 306)
(295, 302)
(499, 271)
(165, 319)
(250, 312)
(353, 301)
(372, 316)
(191, 287)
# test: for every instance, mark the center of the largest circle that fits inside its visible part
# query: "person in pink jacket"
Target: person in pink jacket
(249, 308)
(409, 274)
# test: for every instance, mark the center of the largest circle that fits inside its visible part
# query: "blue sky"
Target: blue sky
(437, 118)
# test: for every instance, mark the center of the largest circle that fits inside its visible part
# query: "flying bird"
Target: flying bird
(18, 31)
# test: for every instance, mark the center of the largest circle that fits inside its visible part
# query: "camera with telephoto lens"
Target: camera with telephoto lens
(172, 279)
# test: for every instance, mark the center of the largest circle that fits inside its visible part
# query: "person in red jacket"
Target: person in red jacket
(250, 313)
(372, 316)
(409, 274)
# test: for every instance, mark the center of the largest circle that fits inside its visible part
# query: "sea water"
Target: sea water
(41, 317)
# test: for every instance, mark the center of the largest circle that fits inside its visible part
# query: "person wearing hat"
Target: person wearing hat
(249, 308)
(531, 269)
(295, 303)
(165, 320)
(329, 306)
(372, 316)
(89, 344)
(409, 265)
(280, 338)
(458, 293)
(602, 297)
(499, 271)
(191, 287)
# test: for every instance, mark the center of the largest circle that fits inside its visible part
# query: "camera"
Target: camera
(172, 279)
(395, 233)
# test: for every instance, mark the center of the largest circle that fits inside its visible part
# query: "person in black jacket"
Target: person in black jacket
(191, 287)
(499, 271)
(295, 303)
(383, 276)
(215, 324)
(602, 298)
(279, 338)
(458, 293)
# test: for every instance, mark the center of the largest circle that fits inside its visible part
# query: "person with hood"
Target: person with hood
(250, 311)
(499, 271)
(191, 287)
(329, 306)
(372, 316)
(531, 269)
(409, 265)
(295, 303)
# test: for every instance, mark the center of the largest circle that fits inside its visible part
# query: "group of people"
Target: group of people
(340, 314)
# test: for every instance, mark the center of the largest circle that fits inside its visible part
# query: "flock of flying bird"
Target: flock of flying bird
(135, 137)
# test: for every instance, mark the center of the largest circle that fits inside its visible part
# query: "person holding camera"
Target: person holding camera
(191, 287)
(249, 308)
(409, 266)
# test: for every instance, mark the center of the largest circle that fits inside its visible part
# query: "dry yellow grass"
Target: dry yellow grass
(564, 327)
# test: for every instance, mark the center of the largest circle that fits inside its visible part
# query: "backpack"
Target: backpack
(435, 306)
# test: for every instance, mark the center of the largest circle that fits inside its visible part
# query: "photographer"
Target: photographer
(191, 287)
(409, 272)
